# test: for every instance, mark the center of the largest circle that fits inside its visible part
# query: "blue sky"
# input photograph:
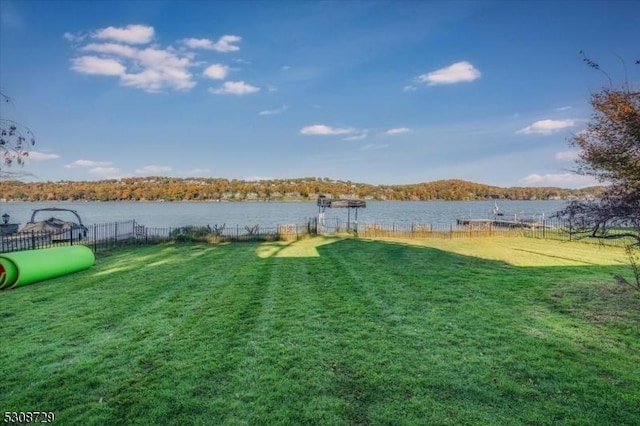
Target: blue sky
(378, 92)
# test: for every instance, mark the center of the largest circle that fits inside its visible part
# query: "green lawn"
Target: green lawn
(330, 331)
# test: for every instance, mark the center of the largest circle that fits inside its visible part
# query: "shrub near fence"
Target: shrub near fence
(223, 234)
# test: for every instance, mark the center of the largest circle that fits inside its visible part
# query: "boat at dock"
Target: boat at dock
(59, 229)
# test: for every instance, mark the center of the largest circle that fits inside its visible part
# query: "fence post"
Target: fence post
(71, 236)
(451, 231)
(33, 240)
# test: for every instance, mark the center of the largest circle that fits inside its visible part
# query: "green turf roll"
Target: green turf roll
(28, 267)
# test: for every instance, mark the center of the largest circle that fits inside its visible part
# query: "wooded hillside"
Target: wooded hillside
(300, 189)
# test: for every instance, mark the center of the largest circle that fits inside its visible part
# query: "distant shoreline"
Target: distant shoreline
(260, 201)
(159, 189)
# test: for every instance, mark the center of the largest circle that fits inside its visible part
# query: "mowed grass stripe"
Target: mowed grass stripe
(398, 363)
(220, 307)
(286, 377)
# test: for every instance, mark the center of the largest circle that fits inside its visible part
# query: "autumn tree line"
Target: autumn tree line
(301, 189)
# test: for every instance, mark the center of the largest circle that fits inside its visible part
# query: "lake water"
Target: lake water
(168, 214)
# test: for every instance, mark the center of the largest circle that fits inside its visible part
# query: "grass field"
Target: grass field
(502, 331)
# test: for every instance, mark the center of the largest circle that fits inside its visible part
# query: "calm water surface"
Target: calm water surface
(168, 214)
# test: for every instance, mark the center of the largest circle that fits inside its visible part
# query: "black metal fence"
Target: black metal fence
(107, 236)
(553, 229)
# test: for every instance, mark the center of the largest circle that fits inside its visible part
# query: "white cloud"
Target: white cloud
(257, 178)
(105, 171)
(356, 138)
(373, 146)
(162, 68)
(98, 66)
(321, 129)
(153, 170)
(226, 43)
(238, 88)
(275, 111)
(41, 156)
(132, 34)
(563, 108)
(409, 88)
(546, 127)
(199, 172)
(216, 71)
(397, 131)
(567, 155)
(74, 38)
(198, 43)
(88, 163)
(455, 73)
(562, 179)
(112, 48)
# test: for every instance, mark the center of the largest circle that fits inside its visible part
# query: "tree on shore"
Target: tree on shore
(609, 150)
(15, 139)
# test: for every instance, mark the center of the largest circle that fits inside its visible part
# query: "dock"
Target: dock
(500, 223)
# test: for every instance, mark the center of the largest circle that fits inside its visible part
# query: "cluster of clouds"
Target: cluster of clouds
(103, 169)
(558, 180)
(130, 54)
(549, 127)
(106, 169)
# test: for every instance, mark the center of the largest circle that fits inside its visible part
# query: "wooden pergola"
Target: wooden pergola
(332, 203)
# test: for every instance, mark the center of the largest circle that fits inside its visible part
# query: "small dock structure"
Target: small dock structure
(332, 203)
(500, 223)
(498, 219)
